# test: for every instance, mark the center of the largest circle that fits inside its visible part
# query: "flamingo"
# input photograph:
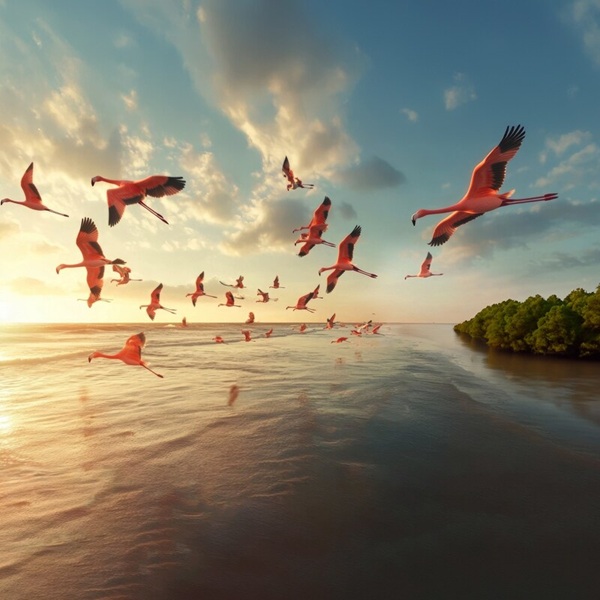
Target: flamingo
(184, 322)
(425, 268)
(276, 285)
(339, 340)
(199, 289)
(250, 318)
(319, 216)
(265, 296)
(93, 258)
(247, 336)
(302, 328)
(315, 294)
(344, 261)
(134, 192)
(124, 273)
(229, 300)
(155, 303)
(268, 333)
(218, 339)
(376, 329)
(302, 302)
(482, 195)
(330, 322)
(293, 182)
(239, 283)
(311, 239)
(33, 199)
(131, 353)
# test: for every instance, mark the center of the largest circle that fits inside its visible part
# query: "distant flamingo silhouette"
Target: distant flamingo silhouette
(134, 192)
(94, 260)
(276, 285)
(199, 289)
(124, 273)
(247, 335)
(131, 353)
(302, 302)
(155, 303)
(33, 199)
(293, 181)
(229, 300)
(425, 268)
(330, 322)
(482, 196)
(344, 261)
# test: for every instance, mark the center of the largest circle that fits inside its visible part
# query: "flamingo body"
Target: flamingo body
(155, 303)
(319, 217)
(302, 302)
(483, 193)
(199, 291)
(311, 239)
(293, 181)
(229, 300)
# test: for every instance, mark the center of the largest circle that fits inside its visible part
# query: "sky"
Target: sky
(385, 106)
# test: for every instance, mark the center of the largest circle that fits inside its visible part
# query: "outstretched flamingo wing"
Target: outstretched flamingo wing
(426, 265)
(489, 174)
(133, 347)
(321, 213)
(346, 247)
(155, 296)
(158, 186)
(29, 189)
(87, 240)
(95, 280)
(446, 227)
(287, 172)
(119, 197)
(332, 279)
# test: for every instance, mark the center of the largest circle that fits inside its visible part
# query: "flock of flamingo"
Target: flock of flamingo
(482, 196)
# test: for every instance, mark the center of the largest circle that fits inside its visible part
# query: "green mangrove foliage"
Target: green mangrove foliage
(551, 326)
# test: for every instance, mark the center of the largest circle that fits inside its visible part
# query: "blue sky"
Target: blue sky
(385, 106)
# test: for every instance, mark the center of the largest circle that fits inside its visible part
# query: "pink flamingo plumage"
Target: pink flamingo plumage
(124, 275)
(131, 353)
(276, 285)
(33, 199)
(94, 260)
(134, 192)
(319, 216)
(155, 303)
(199, 289)
(293, 181)
(311, 239)
(344, 261)
(482, 195)
(302, 302)
(229, 300)
(425, 268)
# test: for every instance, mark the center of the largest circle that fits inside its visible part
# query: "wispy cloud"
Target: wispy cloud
(585, 15)
(372, 174)
(460, 93)
(411, 115)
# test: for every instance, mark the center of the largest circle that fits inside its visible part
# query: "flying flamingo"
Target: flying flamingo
(32, 196)
(218, 339)
(302, 302)
(330, 322)
(344, 261)
(315, 294)
(319, 216)
(482, 195)
(134, 192)
(155, 303)
(425, 268)
(276, 285)
(247, 336)
(131, 354)
(199, 289)
(234, 392)
(229, 300)
(293, 182)
(376, 328)
(184, 322)
(265, 296)
(311, 239)
(339, 340)
(268, 333)
(93, 258)
(239, 283)
(302, 328)
(250, 318)
(124, 273)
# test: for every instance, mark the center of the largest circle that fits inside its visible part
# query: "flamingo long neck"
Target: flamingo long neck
(439, 211)
(79, 264)
(107, 180)
(103, 355)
